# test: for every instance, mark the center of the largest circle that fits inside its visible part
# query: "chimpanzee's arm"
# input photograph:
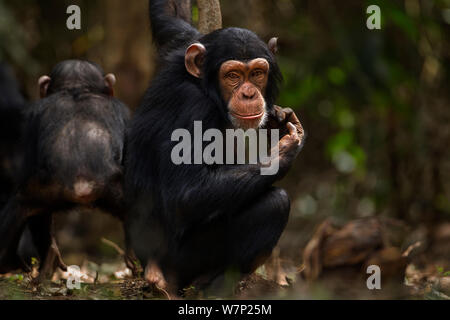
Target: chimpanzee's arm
(223, 189)
(210, 192)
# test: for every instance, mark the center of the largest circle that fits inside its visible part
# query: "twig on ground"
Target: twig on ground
(113, 245)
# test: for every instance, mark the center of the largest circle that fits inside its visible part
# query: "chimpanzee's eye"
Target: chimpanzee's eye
(258, 73)
(233, 76)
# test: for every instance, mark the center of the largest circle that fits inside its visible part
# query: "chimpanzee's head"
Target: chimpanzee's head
(241, 68)
(76, 74)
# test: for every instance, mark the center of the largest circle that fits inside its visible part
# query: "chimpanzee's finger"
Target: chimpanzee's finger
(292, 117)
(292, 129)
(294, 133)
(288, 112)
(296, 122)
(279, 114)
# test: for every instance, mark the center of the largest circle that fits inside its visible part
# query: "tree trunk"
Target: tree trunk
(209, 16)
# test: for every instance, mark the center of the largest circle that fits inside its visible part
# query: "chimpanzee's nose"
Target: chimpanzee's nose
(248, 93)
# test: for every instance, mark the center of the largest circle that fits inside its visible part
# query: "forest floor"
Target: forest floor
(424, 274)
(112, 282)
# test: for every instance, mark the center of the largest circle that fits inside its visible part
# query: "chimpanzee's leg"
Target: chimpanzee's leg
(42, 238)
(36, 238)
(27, 250)
(242, 241)
(112, 202)
(13, 218)
(256, 232)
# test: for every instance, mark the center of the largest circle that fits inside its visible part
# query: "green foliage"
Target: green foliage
(367, 97)
(337, 76)
(34, 261)
(345, 153)
(16, 278)
(195, 16)
(442, 272)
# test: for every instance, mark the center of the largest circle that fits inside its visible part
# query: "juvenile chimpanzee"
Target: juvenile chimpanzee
(12, 107)
(74, 146)
(193, 222)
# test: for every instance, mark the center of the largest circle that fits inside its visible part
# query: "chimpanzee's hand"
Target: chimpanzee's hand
(278, 119)
(291, 117)
(291, 133)
(290, 146)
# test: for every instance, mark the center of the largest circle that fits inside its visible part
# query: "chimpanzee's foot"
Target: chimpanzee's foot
(158, 282)
(154, 276)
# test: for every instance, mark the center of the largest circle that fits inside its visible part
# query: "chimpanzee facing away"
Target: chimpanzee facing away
(12, 107)
(74, 146)
(191, 223)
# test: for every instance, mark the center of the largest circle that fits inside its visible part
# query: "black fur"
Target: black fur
(196, 221)
(168, 31)
(12, 107)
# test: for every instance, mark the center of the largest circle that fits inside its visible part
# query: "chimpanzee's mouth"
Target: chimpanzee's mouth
(248, 117)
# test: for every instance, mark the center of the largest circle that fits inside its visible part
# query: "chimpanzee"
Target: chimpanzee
(12, 107)
(191, 223)
(74, 142)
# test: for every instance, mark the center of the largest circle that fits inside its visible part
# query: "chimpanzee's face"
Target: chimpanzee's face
(243, 86)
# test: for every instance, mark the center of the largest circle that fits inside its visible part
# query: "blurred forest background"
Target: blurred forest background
(375, 104)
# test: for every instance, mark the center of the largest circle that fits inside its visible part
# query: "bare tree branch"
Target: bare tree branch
(209, 16)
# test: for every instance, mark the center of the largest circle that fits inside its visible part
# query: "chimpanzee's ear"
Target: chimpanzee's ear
(273, 45)
(110, 80)
(43, 83)
(193, 59)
